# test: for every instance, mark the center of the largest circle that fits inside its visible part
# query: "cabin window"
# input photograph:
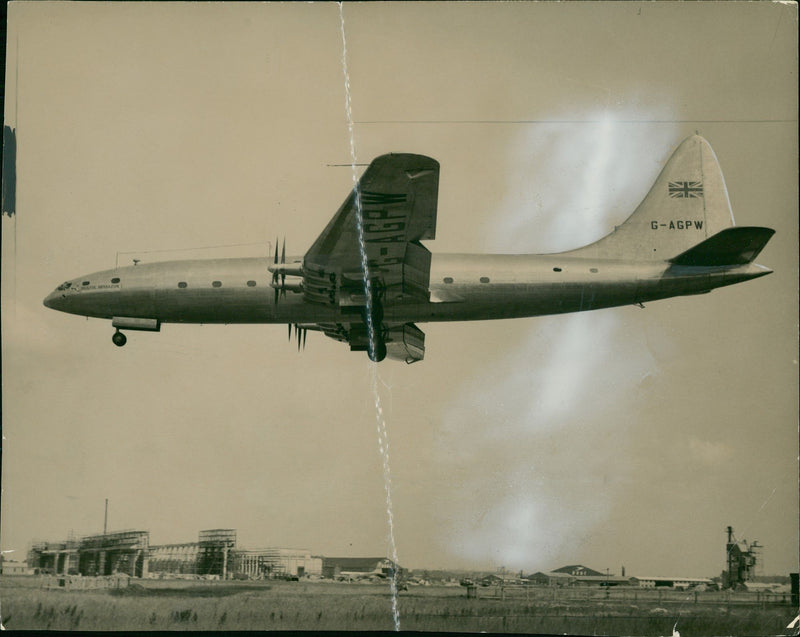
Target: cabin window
(594, 270)
(484, 279)
(556, 269)
(115, 279)
(251, 284)
(182, 284)
(448, 279)
(85, 283)
(217, 284)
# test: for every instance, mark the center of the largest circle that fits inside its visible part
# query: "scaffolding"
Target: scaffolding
(215, 546)
(104, 554)
(54, 557)
(118, 552)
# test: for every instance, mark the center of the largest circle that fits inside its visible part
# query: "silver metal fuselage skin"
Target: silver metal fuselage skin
(463, 287)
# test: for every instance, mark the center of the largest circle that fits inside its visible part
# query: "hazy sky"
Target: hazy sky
(621, 436)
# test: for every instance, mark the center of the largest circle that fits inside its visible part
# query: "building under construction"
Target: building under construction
(741, 560)
(215, 554)
(105, 554)
(210, 555)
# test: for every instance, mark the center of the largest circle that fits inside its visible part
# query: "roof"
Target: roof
(577, 569)
(703, 580)
(277, 551)
(552, 574)
(602, 578)
(355, 563)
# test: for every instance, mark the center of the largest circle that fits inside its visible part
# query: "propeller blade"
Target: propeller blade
(305, 331)
(283, 274)
(275, 274)
(289, 325)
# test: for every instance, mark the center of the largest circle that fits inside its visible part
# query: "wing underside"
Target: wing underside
(395, 205)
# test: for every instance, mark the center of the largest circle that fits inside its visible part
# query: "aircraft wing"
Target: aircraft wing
(398, 196)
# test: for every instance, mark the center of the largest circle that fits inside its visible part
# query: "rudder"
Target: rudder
(687, 204)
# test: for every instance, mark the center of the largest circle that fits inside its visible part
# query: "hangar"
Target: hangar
(680, 583)
(578, 575)
(276, 562)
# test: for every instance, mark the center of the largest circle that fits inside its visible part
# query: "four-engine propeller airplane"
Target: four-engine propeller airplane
(680, 240)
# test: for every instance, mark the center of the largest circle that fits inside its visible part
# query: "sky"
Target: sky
(625, 436)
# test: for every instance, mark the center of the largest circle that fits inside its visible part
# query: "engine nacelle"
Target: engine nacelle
(406, 343)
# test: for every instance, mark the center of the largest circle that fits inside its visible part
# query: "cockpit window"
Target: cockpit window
(65, 286)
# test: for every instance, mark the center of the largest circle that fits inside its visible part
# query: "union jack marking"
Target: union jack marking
(685, 189)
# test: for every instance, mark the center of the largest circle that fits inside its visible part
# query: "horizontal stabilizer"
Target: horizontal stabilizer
(733, 246)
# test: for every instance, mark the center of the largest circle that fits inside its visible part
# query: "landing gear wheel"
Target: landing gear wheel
(119, 339)
(380, 351)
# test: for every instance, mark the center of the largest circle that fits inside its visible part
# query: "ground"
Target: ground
(311, 605)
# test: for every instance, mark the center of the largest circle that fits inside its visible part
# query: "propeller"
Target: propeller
(283, 261)
(280, 290)
(299, 334)
(275, 275)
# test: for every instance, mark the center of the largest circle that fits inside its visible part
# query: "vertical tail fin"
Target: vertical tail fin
(687, 204)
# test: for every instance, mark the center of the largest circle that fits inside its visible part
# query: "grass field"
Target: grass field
(187, 605)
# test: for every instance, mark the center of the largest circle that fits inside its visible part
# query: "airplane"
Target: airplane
(368, 280)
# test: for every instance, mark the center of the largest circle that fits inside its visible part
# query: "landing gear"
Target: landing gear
(119, 339)
(379, 353)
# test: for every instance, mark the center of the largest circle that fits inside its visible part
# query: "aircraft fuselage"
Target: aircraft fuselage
(463, 287)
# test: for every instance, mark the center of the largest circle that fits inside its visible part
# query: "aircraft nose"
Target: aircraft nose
(54, 300)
